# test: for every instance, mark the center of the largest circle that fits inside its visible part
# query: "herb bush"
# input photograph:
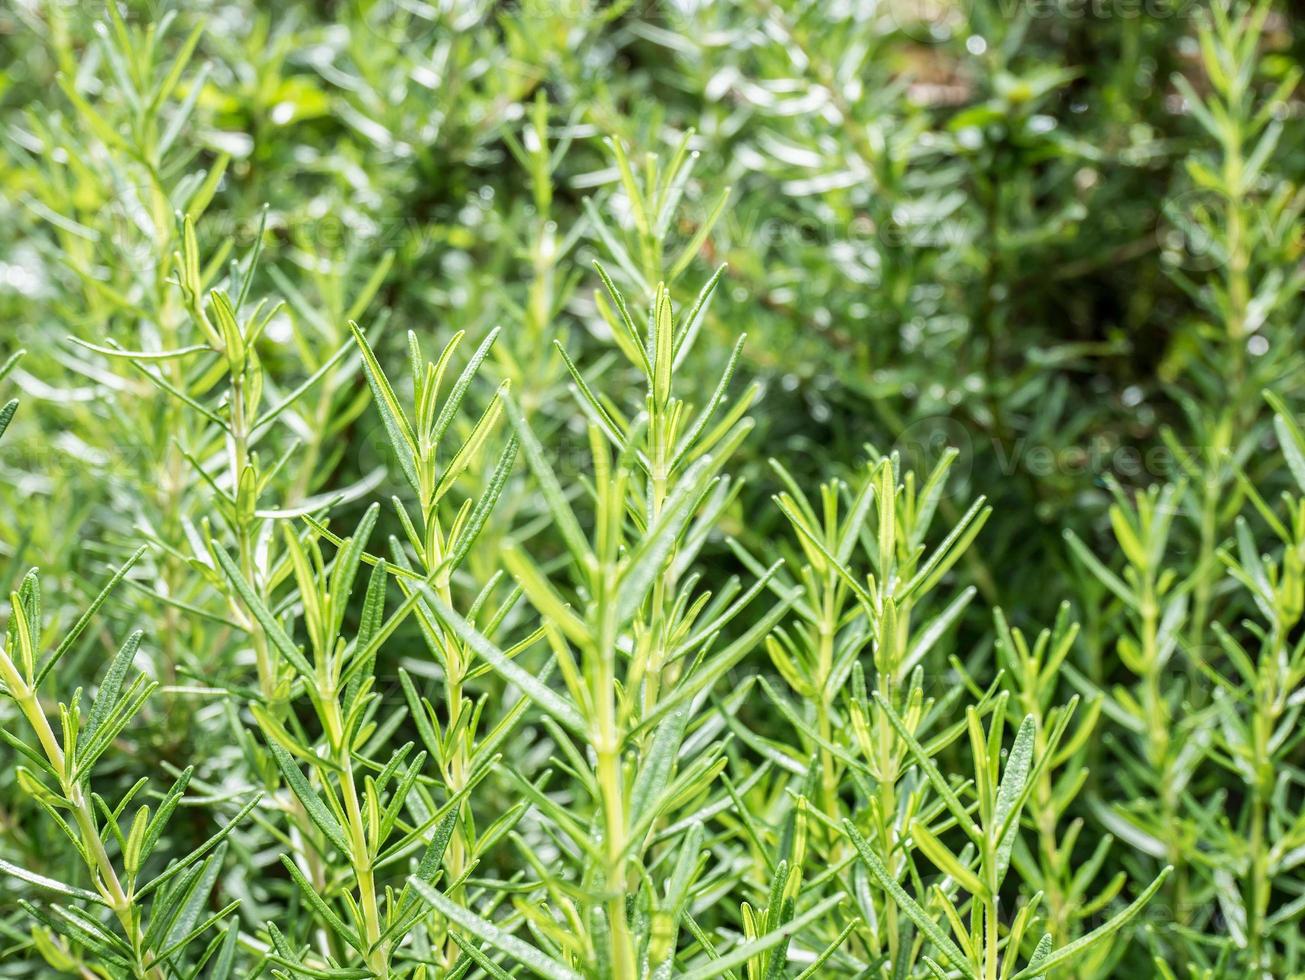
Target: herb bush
(744, 489)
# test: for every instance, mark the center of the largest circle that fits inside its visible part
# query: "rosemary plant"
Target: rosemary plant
(434, 585)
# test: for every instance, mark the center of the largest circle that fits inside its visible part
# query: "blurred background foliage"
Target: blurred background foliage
(947, 223)
(1062, 237)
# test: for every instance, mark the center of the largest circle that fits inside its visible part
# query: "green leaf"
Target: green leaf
(459, 389)
(318, 905)
(180, 865)
(945, 860)
(539, 963)
(143, 355)
(107, 696)
(1070, 950)
(312, 803)
(492, 969)
(931, 772)
(907, 904)
(484, 505)
(258, 609)
(40, 881)
(653, 552)
(87, 614)
(165, 810)
(396, 422)
(369, 625)
(1010, 792)
(542, 696)
(1107, 578)
(563, 516)
(742, 953)
(7, 413)
(1290, 438)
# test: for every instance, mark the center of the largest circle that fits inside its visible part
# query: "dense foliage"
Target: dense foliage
(747, 489)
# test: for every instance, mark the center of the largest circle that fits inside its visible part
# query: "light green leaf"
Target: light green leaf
(923, 921)
(1011, 791)
(744, 952)
(40, 881)
(312, 803)
(543, 697)
(539, 963)
(258, 609)
(1070, 950)
(396, 422)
